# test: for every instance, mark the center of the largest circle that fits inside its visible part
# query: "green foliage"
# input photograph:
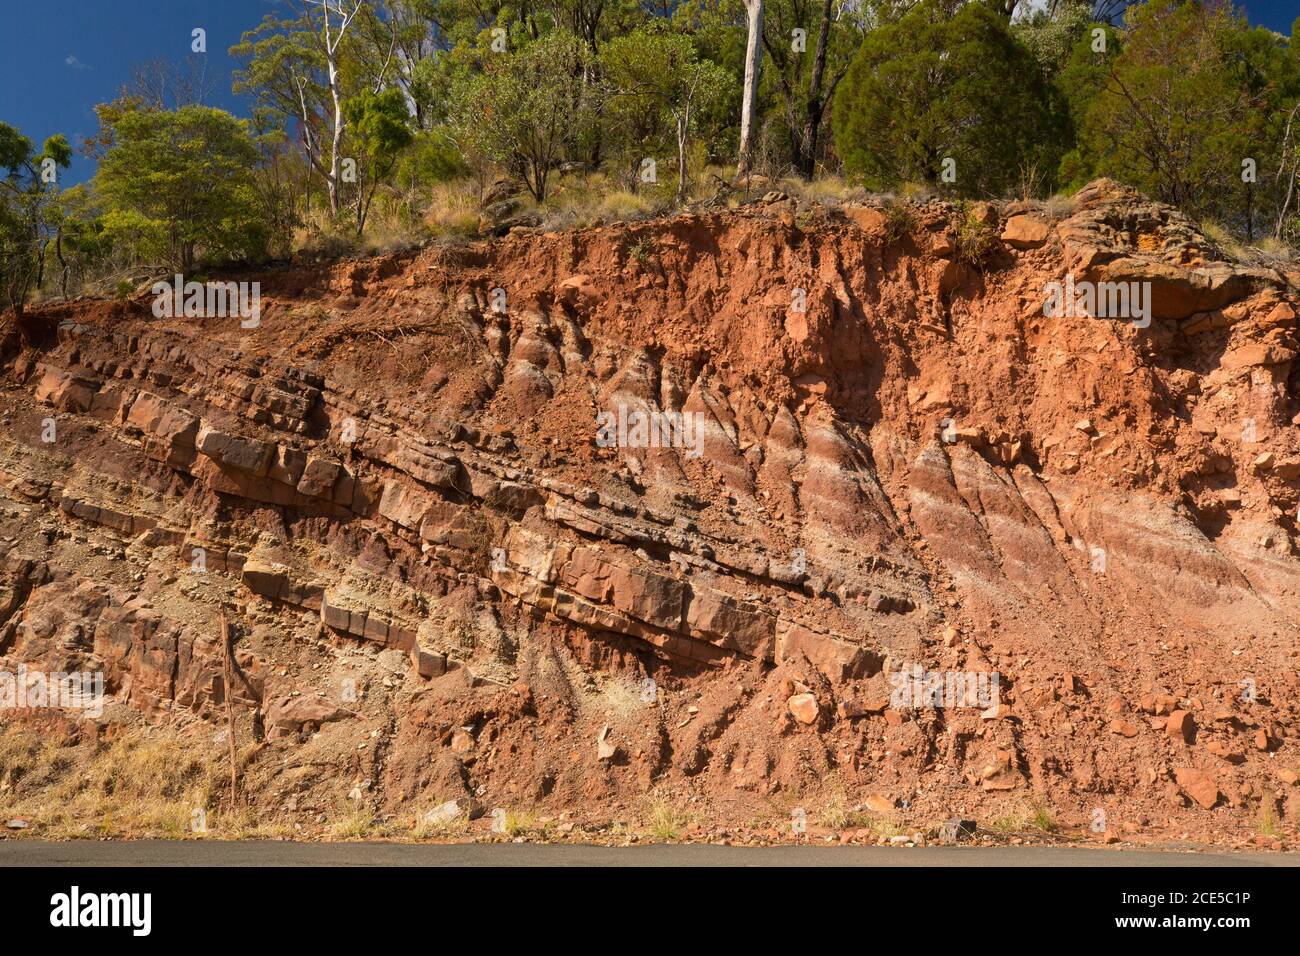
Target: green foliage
(80, 243)
(281, 180)
(641, 250)
(433, 80)
(281, 68)
(527, 108)
(1193, 94)
(379, 125)
(1052, 36)
(657, 90)
(937, 86)
(900, 220)
(803, 72)
(974, 239)
(28, 219)
(308, 69)
(636, 114)
(1078, 83)
(178, 184)
(432, 158)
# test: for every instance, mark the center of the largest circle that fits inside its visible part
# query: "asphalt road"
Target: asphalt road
(274, 853)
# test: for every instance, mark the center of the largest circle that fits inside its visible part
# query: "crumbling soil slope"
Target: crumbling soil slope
(443, 588)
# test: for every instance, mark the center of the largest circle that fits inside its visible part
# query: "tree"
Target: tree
(1177, 113)
(717, 29)
(177, 184)
(330, 36)
(380, 123)
(809, 68)
(749, 97)
(1099, 11)
(526, 107)
(1053, 34)
(637, 123)
(1284, 121)
(79, 240)
(168, 85)
(295, 68)
(655, 74)
(27, 193)
(1266, 67)
(282, 180)
(941, 92)
(435, 80)
(1078, 83)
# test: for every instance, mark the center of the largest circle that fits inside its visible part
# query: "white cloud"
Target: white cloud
(72, 61)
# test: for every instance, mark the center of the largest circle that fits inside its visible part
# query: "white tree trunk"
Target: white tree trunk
(338, 134)
(683, 124)
(332, 42)
(749, 103)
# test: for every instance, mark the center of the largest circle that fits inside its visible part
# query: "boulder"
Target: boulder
(1181, 726)
(1198, 785)
(956, 831)
(287, 714)
(1025, 232)
(803, 707)
(318, 477)
(867, 218)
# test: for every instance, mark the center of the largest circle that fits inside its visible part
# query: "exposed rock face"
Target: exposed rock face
(830, 459)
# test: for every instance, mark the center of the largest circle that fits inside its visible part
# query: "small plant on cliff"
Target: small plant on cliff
(974, 236)
(883, 829)
(900, 219)
(1007, 823)
(430, 826)
(838, 814)
(473, 532)
(1041, 818)
(640, 250)
(1035, 816)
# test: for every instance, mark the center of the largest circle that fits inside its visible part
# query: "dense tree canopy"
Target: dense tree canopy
(945, 97)
(1194, 94)
(526, 108)
(377, 122)
(27, 210)
(179, 182)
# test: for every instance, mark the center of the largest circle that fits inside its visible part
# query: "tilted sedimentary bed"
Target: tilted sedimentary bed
(446, 585)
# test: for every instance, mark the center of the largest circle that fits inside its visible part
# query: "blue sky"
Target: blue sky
(58, 60)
